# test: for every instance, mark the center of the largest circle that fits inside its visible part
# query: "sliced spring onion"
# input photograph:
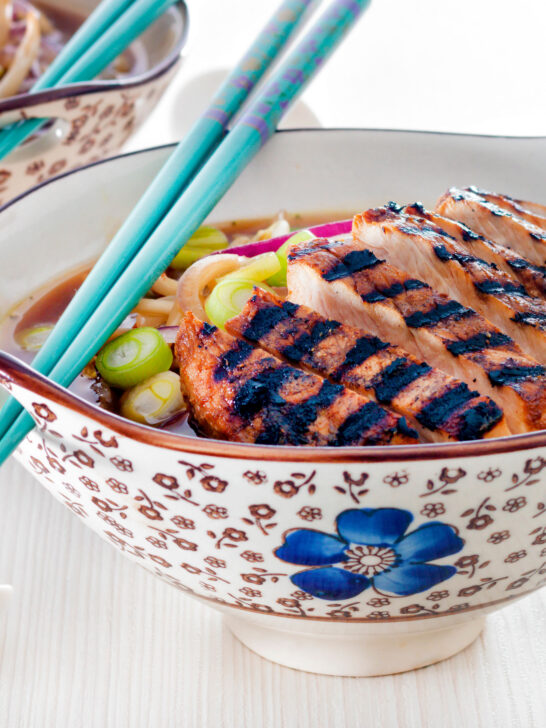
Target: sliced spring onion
(34, 338)
(228, 298)
(258, 269)
(155, 400)
(204, 241)
(279, 278)
(200, 278)
(133, 357)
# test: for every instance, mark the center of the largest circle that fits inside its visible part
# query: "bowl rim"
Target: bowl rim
(24, 375)
(29, 99)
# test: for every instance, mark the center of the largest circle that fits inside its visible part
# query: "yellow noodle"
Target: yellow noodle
(139, 321)
(6, 14)
(154, 306)
(173, 319)
(24, 57)
(153, 321)
(165, 286)
(46, 26)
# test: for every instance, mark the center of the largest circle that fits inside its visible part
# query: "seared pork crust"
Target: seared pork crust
(437, 405)
(413, 244)
(495, 222)
(241, 393)
(531, 276)
(530, 211)
(391, 304)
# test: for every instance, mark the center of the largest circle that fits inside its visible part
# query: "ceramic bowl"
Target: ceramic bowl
(92, 120)
(349, 561)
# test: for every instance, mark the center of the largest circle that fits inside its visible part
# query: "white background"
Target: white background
(92, 640)
(445, 65)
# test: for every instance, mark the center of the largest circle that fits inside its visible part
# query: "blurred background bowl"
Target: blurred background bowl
(92, 120)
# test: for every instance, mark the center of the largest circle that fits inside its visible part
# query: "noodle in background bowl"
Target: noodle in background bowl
(244, 528)
(93, 119)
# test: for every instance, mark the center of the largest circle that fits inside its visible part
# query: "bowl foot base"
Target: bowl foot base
(364, 654)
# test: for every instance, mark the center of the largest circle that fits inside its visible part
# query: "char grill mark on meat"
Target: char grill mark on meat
(438, 405)
(498, 218)
(239, 392)
(429, 325)
(531, 276)
(427, 252)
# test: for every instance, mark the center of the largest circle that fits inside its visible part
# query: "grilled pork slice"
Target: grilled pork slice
(355, 287)
(531, 276)
(438, 406)
(495, 222)
(530, 211)
(532, 208)
(411, 244)
(237, 392)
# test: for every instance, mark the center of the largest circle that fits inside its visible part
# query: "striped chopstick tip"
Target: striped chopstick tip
(219, 115)
(258, 124)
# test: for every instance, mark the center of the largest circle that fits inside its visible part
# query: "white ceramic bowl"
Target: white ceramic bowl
(439, 534)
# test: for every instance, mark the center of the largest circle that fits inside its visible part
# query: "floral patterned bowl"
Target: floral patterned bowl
(349, 561)
(92, 120)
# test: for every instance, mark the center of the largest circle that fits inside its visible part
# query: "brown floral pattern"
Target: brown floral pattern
(310, 513)
(258, 515)
(433, 510)
(214, 511)
(353, 486)
(200, 525)
(257, 477)
(298, 481)
(481, 516)
(489, 475)
(499, 536)
(396, 479)
(116, 486)
(514, 504)
(99, 124)
(532, 468)
(444, 484)
(515, 556)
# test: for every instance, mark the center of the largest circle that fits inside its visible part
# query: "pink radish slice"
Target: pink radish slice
(327, 230)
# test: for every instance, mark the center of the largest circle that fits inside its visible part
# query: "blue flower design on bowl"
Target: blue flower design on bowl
(373, 549)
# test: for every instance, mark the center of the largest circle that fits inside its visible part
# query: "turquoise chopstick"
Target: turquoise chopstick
(167, 186)
(105, 48)
(106, 13)
(200, 197)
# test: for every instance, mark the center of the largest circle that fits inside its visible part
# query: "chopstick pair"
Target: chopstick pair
(176, 173)
(98, 309)
(106, 33)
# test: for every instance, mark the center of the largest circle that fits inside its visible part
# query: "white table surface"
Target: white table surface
(90, 639)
